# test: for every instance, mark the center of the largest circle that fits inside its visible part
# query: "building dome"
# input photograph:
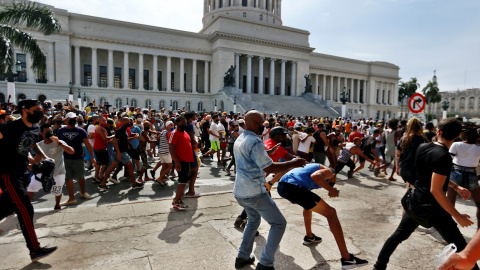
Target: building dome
(267, 11)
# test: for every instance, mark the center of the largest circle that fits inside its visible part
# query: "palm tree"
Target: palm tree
(25, 15)
(407, 89)
(431, 94)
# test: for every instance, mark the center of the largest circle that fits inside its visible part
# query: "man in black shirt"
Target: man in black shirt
(320, 137)
(431, 206)
(16, 140)
(430, 133)
(368, 149)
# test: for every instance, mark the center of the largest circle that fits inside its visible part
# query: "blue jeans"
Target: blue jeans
(258, 207)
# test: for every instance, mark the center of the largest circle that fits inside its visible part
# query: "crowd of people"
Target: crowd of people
(152, 145)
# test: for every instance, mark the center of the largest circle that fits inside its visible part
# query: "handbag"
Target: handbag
(419, 212)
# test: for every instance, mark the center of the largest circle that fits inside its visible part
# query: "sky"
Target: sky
(419, 36)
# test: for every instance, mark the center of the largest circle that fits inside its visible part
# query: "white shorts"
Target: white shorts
(36, 185)
(165, 158)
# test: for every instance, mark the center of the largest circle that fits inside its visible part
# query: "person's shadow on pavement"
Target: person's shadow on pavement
(180, 221)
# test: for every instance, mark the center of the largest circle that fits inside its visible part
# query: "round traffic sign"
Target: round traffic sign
(416, 103)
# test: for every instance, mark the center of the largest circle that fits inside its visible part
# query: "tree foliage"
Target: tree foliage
(431, 92)
(407, 89)
(28, 15)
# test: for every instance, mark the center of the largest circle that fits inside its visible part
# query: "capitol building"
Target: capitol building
(129, 64)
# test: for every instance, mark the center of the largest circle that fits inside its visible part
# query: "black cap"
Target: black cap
(278, 131)
(26, 104)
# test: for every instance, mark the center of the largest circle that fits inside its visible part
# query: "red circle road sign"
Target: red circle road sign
(416, 103)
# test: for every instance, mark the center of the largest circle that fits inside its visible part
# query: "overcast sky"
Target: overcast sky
(419, 36)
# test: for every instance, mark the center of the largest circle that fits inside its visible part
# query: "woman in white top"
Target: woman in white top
(466, 157)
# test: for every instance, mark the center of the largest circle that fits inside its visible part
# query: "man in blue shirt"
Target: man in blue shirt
(253, 163)
(296, 186)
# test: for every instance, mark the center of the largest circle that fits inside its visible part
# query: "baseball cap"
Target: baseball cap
(26, 104)
(168, 123)
(71, 115)
(241, 121)
(278, 131)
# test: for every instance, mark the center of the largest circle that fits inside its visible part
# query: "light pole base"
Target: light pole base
(344, 110)
(444, 115)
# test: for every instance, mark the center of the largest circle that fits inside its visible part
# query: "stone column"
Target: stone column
(110, 74)
(331, 87)
(51, 63)
(155, 73)
(264, 4)
(237, 70)
(282, 77)
(205, 79)
(279, 7)
(140, 71)
(205, 7)
(78, 81)
(249, 74)
(293, 88)
(339, 88)
(182, 76)
(324, 86)
(352, 92)
(169, 74)
(270, 5)
(272, 77)
(217, 4)
(194, 76)
(364, 91)
(125, 70)
(261, 81)
(316, 86)
(358, 91)
(94, 68)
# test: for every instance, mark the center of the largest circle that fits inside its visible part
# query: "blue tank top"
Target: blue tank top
(301, 176)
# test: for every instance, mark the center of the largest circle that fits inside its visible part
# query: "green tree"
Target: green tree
(28, 15)
(431, 94)
(407, 89)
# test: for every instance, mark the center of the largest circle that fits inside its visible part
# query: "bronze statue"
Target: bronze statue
(229, 79)
(308, 84)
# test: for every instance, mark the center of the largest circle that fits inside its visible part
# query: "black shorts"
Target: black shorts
(369, 155)
(298, 195)
(101, 157)
(184, 174)
(133, 153)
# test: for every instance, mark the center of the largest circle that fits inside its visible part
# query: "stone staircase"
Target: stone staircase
(297, 106)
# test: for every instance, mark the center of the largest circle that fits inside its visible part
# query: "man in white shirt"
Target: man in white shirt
(214, 139)
(306, 139)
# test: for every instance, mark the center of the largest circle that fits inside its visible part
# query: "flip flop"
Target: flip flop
(196, 195)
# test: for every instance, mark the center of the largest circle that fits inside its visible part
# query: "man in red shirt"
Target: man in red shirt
(182, 156)
(277, 136)
(354, 134)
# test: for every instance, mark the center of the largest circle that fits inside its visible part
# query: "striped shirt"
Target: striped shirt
(164, 148)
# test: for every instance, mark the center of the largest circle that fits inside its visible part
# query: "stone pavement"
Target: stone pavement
(150, 235)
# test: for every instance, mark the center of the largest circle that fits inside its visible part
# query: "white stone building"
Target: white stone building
(140, 65)
(464, 103)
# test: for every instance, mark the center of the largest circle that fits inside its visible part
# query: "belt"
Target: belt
(465, 169)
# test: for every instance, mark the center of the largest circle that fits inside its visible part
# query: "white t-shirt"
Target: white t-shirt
(305, 145)
(91, 129)
(464, 154)
(221, 129)
(240, 130)
(214, 130)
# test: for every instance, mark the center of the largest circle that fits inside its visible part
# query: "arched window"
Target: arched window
(162, 104)
(118, 102)
(175, 105)
(462, 105)
(133, 103)
(453, 105)
(222, 106)
(42, 98)
(200, 106)
(102, 100)
(148, 103)
(187, 106)
(471, 103)
(21, 97)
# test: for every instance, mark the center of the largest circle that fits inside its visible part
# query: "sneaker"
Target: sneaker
(41, 253)
(113, 180)
(103, 188)
(96, 180)
(179, 206)
(123, 178)
(202, 158)
(238, 222)
(137, 186)
(239, 262)
(263, 267)
(353, 262)
(152, 173)
(376, 171)
(350, 174)
(66, 203)
(86, 196)
(308, 241)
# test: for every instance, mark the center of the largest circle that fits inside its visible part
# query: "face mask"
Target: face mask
(80, 123)
(49, 112)
(171, 129)
(156, 118)
(182, 128)
(147, 128)
(48, 135)
(58, 122)
(194, 122)
(34, 117)
(260, 130)
(103, 125)
(139, 119)
(72, 121)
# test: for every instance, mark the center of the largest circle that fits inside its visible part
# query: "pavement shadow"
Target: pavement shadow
(36, 265)
(280, 258)
(180, 221)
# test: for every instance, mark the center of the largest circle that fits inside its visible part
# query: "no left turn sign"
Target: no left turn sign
(416, 103)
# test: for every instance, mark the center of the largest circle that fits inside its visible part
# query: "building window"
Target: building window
(146, 80)
(118, 103)
(220, 3)
(267, 4)
(378, 96)
(133, 103)
(273, 21)
(159, 80)
(361, 95)
(21, 97)
(102, 101)
(187, 106)
(383, 96)
(175, 105)
(103, 76)
(222, 106)
(131, 78)
(118, 78)
(244, 14)
(349, 95)
(87, 75)
(162, 104)
(244, 3)
(41, 77)
(200, 106)
(184, 81)
(261, 17)
(148, 103)
(22, 75)
(172, 78)
(42, 98)
(388, 97)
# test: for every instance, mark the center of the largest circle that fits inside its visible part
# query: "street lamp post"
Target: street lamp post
(234, 104)
(445, 105)
(215, 105)
(84, 99)
(171, 105)
(344, 99)
(70, 94)
(360, 110)
(79, 100)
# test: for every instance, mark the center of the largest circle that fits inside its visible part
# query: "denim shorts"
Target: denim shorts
(125, 158)
(464, 177)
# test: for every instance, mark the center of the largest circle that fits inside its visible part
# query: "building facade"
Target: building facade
(138, 65)
(464, 103)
